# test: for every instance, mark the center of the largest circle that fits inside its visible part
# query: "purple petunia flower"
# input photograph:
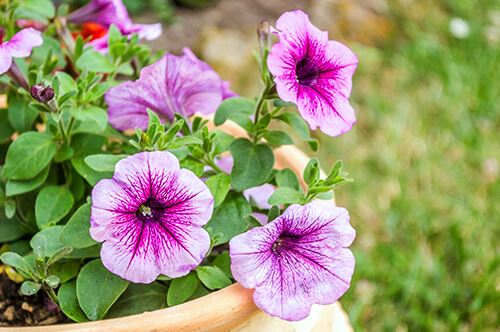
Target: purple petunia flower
(297, 260)
(108, 12)
(174, 84)
(149, 217)
(19, 46)
(313, 72)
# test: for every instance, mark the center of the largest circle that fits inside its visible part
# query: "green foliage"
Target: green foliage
(98, 289)
(253, 164)
(212, 277)
(227, 218)
(181, 289)
(52, 204)
(139, 298)
(28, 155)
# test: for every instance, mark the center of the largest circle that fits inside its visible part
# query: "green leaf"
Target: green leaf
(46, 242)
(277, 138)
(181, 289)
(28, 155)
(6, 129)
(17, 262)
(139, 298)
(312, 172)
(21, 116)
(228, 220)
(66, 269)
(98, 289)
(237, 109)
(223, 262)
(52, 281)
(65, 83)
(274, 212)
(68, 302)
(17, 187)
(286, 195)
(35, 9)
(219, 186)
(253, 164)
(91, 176)
(76, 231)
(212, 277)
(193, 165)
(297, 123)
(29, 288)
(52, 204)
(59, 254)
(94, 61)
(10, 229)
(222, 141)
(10, 208)
(104, 162)
(287, 178)
(91, 120)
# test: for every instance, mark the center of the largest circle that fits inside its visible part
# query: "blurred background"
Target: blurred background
(425, 153)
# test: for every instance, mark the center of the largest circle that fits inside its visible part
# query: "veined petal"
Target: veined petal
(174, 84)
(22, 43)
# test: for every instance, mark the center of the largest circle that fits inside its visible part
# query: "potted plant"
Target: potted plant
(133, 181)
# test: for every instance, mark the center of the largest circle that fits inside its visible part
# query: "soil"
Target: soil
(18, 310)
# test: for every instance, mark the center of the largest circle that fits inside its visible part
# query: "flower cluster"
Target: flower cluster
(180, 205)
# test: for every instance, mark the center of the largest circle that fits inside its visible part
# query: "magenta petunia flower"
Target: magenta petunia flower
(108, 12)
(313, 72)
(174, 84)
(149, 216)
(19, 46)
(297, 260)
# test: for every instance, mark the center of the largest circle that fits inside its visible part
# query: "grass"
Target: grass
(425, 156)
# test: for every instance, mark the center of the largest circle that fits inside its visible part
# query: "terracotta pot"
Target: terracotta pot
(229, 309)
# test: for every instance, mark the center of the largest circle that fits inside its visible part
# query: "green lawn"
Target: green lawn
(425, 156)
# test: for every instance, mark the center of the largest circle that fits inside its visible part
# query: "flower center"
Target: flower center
(306, 72)
(150, 210)
(2, 35)
(278, 245)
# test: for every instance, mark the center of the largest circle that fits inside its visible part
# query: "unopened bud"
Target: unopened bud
(42, 93)
(264, 31)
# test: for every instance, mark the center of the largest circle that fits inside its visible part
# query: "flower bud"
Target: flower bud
(42, 93)
(264, 32)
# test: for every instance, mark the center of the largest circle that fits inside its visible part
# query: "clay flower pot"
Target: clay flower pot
(229, 309)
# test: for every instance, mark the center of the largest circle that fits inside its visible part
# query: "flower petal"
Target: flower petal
(252, 259)
(140, 252)
(21, 44)
(5, 61)
(171, 85)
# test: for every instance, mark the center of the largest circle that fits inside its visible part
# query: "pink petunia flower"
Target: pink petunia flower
(173, 84)
(297, 260)
(313, 72)
(108, 12)
(19, 46)
(149, 216)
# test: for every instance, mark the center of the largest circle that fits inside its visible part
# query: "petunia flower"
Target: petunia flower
(313, 72)
(149, 216)
(19, 46)
(297, 260)
(103, 13)
(173, 84)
